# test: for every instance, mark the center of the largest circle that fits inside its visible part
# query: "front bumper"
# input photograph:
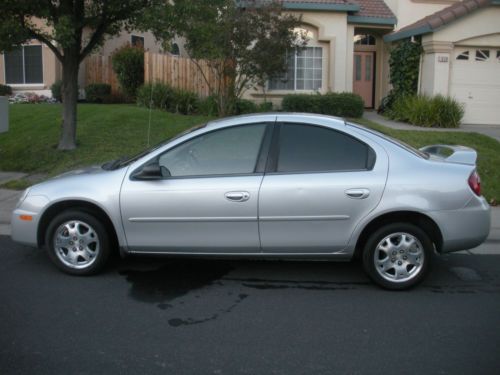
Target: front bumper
(465, 228)
(25, 219)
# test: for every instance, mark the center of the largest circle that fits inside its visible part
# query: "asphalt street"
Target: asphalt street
(172, 316)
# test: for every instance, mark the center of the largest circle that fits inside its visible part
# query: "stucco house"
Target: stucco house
(34, 68)
(348, 50)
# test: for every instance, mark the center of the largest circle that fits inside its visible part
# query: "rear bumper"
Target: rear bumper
(465, 228)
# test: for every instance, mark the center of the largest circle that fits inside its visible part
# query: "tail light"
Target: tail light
(475, 183)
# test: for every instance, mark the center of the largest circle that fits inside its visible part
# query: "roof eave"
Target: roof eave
(372, 20)
(394, 37)
(322, 7)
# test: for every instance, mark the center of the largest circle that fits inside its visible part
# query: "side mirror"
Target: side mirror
(149, 172)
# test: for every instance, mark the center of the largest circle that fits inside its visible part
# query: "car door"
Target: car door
(319, 184)
(209, 201)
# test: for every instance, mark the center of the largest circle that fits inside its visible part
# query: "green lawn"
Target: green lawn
(107, 132)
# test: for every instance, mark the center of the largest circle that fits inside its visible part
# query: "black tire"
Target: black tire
(369, 254)
(100, 237)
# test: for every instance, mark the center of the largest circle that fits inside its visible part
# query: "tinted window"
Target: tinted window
(313, 148)
(227, 151)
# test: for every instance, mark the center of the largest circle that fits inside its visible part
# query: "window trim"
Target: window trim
(273, 157)
(24, 84)
(262, 154)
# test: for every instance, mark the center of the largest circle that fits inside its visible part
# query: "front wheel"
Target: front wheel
(397, 256)
(77, 243)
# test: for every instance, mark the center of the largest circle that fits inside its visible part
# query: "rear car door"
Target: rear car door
(320, 183)
(209, 201)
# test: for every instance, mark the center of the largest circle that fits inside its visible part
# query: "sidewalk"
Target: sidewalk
(492, 131)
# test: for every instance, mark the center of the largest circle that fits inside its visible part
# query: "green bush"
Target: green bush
(5, 90)
(128, 64)
(185, 102)
(97, 92)
(244, 106)
(164, 97)
(335, 104)
(56, 90)
(265, 107)
(208, 106)
(422, 110)
(158, 95)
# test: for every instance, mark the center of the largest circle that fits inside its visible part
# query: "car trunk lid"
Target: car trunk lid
(451, 154)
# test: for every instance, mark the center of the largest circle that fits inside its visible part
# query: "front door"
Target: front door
(363, 80)
(209, 201)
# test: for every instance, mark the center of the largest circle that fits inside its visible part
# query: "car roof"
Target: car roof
(275, 116)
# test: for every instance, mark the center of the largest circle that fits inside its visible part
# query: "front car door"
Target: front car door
(321, 182)
(208, 204)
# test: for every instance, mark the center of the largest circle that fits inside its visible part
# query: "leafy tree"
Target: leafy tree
(243, 42)
(72, 29)
(128, 64)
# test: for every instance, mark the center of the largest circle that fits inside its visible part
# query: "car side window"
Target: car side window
(309, 148)
(227, 151)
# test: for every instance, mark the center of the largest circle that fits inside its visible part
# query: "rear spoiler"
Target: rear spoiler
(452, 154)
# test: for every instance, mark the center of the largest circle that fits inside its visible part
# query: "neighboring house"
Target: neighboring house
(34, 68)
(348, 51)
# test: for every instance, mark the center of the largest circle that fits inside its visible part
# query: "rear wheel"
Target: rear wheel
(77, 243)
(397, 256)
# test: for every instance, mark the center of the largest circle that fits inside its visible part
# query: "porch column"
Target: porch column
(435, 68)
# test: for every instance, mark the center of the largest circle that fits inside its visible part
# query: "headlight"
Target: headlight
(23, 197)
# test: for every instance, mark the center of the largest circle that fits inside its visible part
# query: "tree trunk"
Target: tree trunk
(70, 67)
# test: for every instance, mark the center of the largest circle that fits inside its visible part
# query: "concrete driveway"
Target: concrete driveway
(489, 130)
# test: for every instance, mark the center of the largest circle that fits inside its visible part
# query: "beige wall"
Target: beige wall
(410, 11)
(111, 44)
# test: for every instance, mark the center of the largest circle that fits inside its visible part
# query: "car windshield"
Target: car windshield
(395, 141)
(127, 160)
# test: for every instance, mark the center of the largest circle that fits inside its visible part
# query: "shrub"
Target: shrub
(164, 97)
(422, 110)
(243, 106)
(56, 90)
(265, 107)
(5, 90)
(128, 64)
(301, 103)
(159, 94)
(97, 92)
(185, 102)
(334, 104)
(208, 106)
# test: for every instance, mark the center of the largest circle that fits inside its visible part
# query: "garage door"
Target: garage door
(475, 82)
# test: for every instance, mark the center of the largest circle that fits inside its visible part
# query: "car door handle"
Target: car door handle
(237, 196)
(357, 193)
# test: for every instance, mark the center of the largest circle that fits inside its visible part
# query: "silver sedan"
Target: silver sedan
(287, 186)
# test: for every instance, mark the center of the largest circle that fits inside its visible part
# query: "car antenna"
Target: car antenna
(150, 110)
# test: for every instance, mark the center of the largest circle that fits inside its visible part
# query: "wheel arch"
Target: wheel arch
(414, 217)
(91, 208)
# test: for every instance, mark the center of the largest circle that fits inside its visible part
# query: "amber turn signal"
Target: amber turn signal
(26, 217)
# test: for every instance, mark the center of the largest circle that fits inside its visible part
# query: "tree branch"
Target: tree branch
(46, 41)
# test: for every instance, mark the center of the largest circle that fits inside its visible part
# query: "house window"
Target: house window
(305, 71)
(174, 49)
(364, 40)
(498, 55)
(24, 65)
(482, 55)
(137, 41)
(463, 56)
